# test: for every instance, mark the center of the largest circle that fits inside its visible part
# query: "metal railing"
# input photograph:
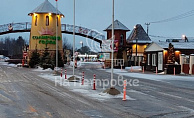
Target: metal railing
(26, 26)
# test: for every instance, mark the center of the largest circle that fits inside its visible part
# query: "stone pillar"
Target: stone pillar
(191, 63)
(182, 61)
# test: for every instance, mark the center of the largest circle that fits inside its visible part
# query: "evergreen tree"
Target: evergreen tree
(60, 60)
(45, 60)
(35, 59)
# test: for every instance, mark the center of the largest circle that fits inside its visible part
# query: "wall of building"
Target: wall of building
(42, 30)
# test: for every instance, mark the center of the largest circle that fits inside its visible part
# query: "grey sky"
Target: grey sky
(97, 14)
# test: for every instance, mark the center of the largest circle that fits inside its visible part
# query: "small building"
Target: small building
(138, 40)
(120, 31)
(164, 54)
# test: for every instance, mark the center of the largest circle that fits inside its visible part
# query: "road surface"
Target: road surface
(23, 94)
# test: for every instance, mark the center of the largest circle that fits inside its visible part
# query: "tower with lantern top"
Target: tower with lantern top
(45, 28)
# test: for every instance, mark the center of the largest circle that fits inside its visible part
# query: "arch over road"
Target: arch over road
(65, 28)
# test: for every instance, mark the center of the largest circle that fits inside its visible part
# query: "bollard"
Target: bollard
(82, 78)
(143, 69)
(61, 72)
(131, 68)
(65, 74)
(94, 82)
(75, 63)
(156, 70)
(174, 71)
(124, 90)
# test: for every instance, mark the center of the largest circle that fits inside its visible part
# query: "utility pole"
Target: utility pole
(56, 36)
(73, 38)
(112, 53)
(147, 26)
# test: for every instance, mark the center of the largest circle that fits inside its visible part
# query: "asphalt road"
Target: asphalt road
(23, 94)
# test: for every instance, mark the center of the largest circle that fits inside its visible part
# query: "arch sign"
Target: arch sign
(107, 45)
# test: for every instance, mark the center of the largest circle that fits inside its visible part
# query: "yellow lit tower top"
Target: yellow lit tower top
(45, 19)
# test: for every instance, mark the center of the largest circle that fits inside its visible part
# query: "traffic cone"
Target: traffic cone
(94, 82)
(61, 72)
(82, 78)
(65, 74)
(124, 90)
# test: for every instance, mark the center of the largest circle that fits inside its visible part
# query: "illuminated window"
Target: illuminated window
(36, 18)
(47, 20)
(57, 21)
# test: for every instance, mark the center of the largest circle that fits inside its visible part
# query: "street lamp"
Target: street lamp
(73, 38)
(185, 38)
(81, 42)
(56, 37)
(135, 40)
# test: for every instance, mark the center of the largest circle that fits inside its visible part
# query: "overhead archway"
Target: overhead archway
(65, 28)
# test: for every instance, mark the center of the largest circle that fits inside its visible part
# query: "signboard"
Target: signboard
(104, 56)
(107, 45)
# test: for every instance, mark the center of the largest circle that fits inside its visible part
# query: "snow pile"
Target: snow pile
(82, 64)
(39, 69)
(151, 76)
(3, 63)
(12, 65)
(134, 68)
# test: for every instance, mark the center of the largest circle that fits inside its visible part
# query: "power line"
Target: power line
(178, 17)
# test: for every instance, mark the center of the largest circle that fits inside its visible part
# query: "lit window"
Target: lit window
(57, 21)
(36, 18)
(153, 59)
(47, 20)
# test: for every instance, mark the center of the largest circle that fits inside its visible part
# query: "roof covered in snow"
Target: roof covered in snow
(117, 26)
(46, 7)
(139, 34)
(177, 45)
(157, 46)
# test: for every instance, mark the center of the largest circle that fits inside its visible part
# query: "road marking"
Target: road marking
(49, 114)
(32, 109)
(170, 95)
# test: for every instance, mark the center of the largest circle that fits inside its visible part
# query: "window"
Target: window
(148, 59)
(36, 18)
(47, 20)
(153, 59)
(121, 39)
(57, 21)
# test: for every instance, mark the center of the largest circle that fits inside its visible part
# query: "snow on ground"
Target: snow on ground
(85, 89)
(153, 76)
(7, 64)
(134, 68)
(80, 64)
(3, 63)
(39, 69)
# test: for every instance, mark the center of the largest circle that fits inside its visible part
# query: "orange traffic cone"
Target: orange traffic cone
(124, 90)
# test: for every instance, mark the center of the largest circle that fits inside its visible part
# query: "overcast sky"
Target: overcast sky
(97, 14)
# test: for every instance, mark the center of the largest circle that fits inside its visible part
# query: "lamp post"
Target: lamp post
(112, 55)
(135, 40)
(73, 38)
(81, 42)
(56, 35)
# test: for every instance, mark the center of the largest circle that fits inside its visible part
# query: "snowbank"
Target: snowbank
(134, 68)
(39, 69)
(152, 76)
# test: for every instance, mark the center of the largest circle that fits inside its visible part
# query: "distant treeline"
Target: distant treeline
(13, 46)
